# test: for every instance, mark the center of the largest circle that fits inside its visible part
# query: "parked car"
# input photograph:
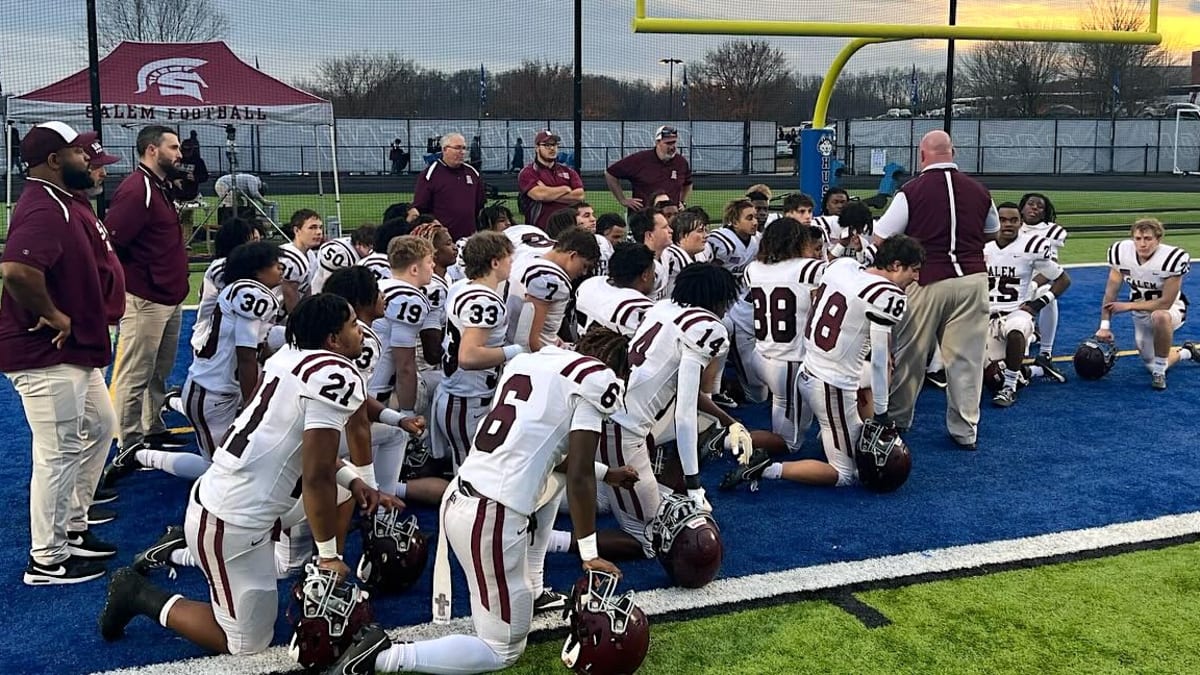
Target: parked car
(1168, 110)
(1062, 110)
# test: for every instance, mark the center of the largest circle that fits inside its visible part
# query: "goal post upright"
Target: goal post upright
(815, 141)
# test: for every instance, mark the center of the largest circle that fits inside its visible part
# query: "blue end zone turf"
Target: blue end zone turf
(1065, 457)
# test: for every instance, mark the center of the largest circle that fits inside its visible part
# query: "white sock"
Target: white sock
(773, 472)
(451, 655)
(183, 557)
(1010, 379)
(166, 609)
(1159, 367)
(389, 455)
(176, 403)
(560, 541)
(1036, 371)
(1048, 327)
(1185, 355)
(182, 464)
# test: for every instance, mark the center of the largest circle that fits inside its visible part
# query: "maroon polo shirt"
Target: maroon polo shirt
(50, 232)
(556, 175)
(112, 275)
(453, 195)
(649, 174)
(144, 228)
(953, 239)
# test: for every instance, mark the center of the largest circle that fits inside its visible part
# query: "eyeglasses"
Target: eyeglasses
(456, 147)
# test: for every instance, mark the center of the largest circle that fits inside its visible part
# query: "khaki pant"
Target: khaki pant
(145, 356)
(72, 420)
(954, 314)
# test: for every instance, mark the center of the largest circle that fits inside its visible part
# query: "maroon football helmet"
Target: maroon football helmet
(882, 457)
(609, 634)
(326, 612)
(686, 541)
(993, 376)
(394, 552)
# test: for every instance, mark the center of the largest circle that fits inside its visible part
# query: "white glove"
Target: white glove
(740, 443)
(697, 496)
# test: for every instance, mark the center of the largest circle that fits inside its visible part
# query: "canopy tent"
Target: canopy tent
(178, 83)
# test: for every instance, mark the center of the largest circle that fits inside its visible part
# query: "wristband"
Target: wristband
(327, 550)
(346, 475)
(692, 482)
(1105, 324)
(512, 351)
(601, 471)
(408, 413)
(1049, 296)
(367, 473)
(587, 548)
(390, 417)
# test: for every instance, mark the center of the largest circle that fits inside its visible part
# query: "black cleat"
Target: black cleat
(70, 571)
(104, 495)
(87, 545)
(159, 555)
(724, 400)
(752, 471)
(120, 603)
(165, 440)
(937, 379)
(1047, 366)
(1193, 349)
(359, 659)
(98, 515)
(549, 601)
(172, 402)
(712, 442)
(124, 463)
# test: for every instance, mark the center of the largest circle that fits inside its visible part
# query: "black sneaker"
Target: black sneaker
(104, 495)
(359, 659)
(937, 379)
(98, 515)
(123, 463)
(1048, 369)
(70, 571)
(165, 441)
(172, 402)
(1192, 348)
(724, 400)
(159, 555)
(120, 603)
(549, 601)
(751, 472)
(87, 545)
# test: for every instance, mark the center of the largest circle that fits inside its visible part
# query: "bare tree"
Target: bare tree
(1014, 76)
(365, 84)
(739, 76)
(1117, 78)
(160, 21)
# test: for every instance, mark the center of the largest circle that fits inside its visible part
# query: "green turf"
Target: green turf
(1133, 613)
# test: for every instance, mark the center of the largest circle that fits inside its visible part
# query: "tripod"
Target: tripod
(236, 195)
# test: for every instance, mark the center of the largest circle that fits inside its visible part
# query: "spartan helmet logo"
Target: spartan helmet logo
(174, 77)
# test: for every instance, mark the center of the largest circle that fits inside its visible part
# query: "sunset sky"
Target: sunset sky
(47, 40)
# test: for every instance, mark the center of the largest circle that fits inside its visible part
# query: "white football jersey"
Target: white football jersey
(1011, 270)
(378, 264)
(621, 310)
(781, 295)
(210, 288)
(606, 251)
(726, 248)
(528, 240)
(830, 227)
(1052, 232)
(541, 279)
(472, 305)
(255, 475)
(540, 399)
(675, 259)
(405, 307)
(848, 300)
(456, 272)
(332, 256)
(661, 278)
(1146, 280)
(372, 350)
(435, 319)
(669, 335)
(245, 312)
(297, 266)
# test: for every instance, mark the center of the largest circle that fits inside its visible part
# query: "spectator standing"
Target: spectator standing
(193, 173)
(54, 346)
(953, 217)
(547, 187)
(451, 189)
(249, 189)
(518, 157)
(149, 241)
(398, 157)
(648, 171)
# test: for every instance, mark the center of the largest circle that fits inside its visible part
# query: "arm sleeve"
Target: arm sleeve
(895, 220)
(686, 424)
(880, 335)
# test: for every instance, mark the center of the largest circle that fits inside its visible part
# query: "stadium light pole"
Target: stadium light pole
(577, 89)
(670, 85)
(948, 111)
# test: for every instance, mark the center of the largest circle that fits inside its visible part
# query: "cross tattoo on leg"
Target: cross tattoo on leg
(443, 604)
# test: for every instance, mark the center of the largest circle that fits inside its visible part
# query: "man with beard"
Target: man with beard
(659, 168)
(54, 347)
(145, 231)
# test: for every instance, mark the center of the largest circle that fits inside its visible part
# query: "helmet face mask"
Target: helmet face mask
(1094, 358)
(608, 633)
(395, 552)
(326, 612)
(882, 458)
(687, 541)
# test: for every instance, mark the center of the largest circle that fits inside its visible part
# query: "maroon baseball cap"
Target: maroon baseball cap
(96, 155)
(546, 136)
(46, 139)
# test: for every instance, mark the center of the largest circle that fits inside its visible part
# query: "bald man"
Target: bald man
(953, 216)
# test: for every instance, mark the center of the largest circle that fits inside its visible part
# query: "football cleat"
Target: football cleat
(550, 601)
(165, 440)
(1193, 349)
(126, 596)
(104, 495)
(159, 555)
(359, 658)
(724, 400)
(712, 442)
(1005, 398)
(98, 515)
(750, 472)
(936, 378)
(124, 463)
(1047, 366)
(172, 402)
(1158, 381)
